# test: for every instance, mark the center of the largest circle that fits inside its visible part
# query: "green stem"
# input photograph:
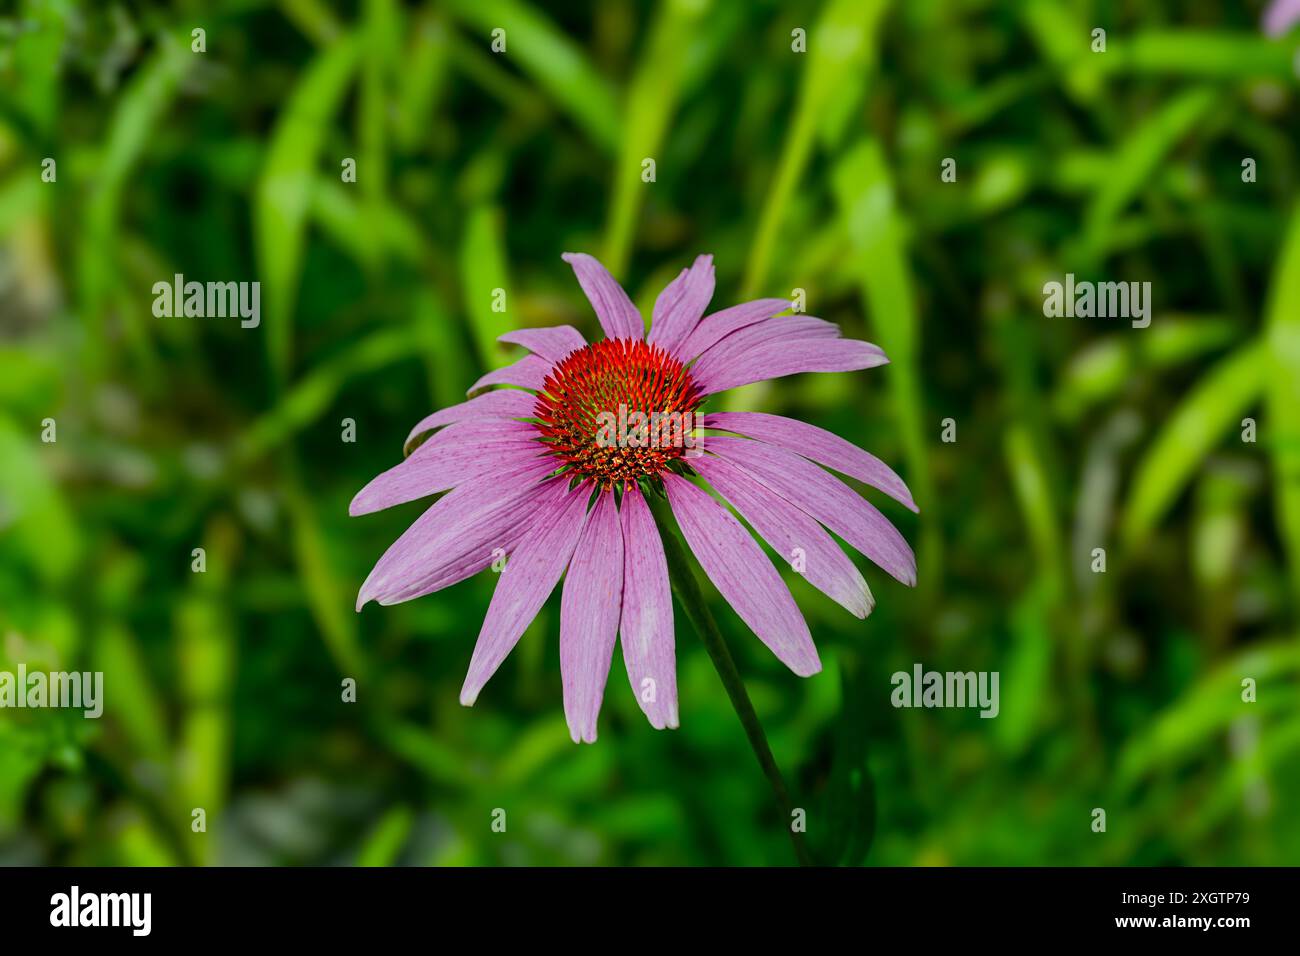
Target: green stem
(687, 588)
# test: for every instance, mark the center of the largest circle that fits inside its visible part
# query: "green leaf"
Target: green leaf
(36, 521)
(1065, 39)
(365, 233)
(19, 198)
(1028, 669)
(38, 62)
(651, 102)
(135, 702)
(851, 791)
(283, 195)
(556, 62)
(307, 401)
(205, 643)
(1034, 495)
(1282, 368)
(868, 209)
(1191, 722)
(1101, 370)
(1137, 158)
(1201, 53)
(841, 53)
(379, 40)
(436, 760)
(1272, 756)
(327, 595)
(1209, 412)
(387, 839)
(313, 18)
(140, 109)
(424, 76)
(483, 270)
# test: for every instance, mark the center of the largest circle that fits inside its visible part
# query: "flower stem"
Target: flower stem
(687, 588)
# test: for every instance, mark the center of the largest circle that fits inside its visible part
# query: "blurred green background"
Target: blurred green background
(818, 171)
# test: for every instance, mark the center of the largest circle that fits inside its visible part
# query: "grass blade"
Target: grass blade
(1202, 54)
(1282, 329)
(284, 190)
(1208, 413)
(651, 103)
(1137, 159)
(556, 62)
(841, 51)
(865, 195)
(483, 270)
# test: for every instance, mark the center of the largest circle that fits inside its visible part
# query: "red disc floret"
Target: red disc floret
(617, 410)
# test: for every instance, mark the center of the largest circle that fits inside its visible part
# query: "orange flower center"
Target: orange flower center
(618, 410)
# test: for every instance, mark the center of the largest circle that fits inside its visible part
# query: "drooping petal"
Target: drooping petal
(434, 468)
(476, 515)
(618, 316)
(678, 309)
(507, 403)
(824, 497)
(792, 534)
(777, 359)
(529, 372)
(646, 628)
(743, 575)
(462, 563)
(553, 343)
(816, 444)
(527, 581)
(716, 327)
(589, 612)
(470, 556)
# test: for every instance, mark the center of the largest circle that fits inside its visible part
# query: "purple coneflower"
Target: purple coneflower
(535, 472)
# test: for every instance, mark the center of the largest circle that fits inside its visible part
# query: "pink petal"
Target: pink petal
(778, 329)
(714, 328)
(554, 344)
(473, 555)
(475, 431)
(473, 519)
(529, 372)
(527, 581)
(743, 575)
(678, 309)
(786, 528)
(500, 404)
(776, 359)
(1280, 16)
(440, 464)
(618, 316)
(824, 497)
(646, 629)
(772, 336)
(467, 563)
(589, 612)
(817, 444)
